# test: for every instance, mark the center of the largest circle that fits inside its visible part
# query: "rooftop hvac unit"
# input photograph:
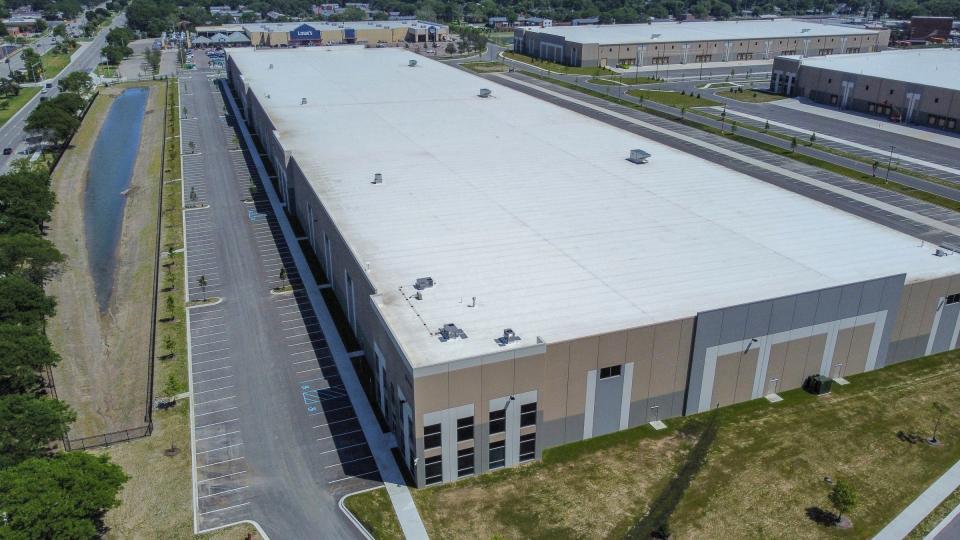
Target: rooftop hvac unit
(485, 92)
(412, 63)
(940, 253)
(509, 336)
(423, 283)
(818, 384)
(638, 156)
(303, 101)
(450, 331)
(271, 66)
(377, 178)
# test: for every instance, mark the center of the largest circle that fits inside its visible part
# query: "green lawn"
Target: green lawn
(54, 63)
(105, 70)
(558, 68)
(762, 479)
(375, 511)
(751, 96)
(485, 67)
(16, 103)
(624, 80)
(673, 99)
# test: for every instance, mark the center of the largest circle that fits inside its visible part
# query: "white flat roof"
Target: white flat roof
(672, 32)
(931, 67)
(535, 210)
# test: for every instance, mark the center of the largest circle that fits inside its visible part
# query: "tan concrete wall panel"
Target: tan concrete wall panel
(747, 374)
(530, 373)
(465, 386)
(432, 393)
(725, 380)
(553, 398)
(497, 380)
(666, 347)
(612, 349)
(776, 364)
(859, 349)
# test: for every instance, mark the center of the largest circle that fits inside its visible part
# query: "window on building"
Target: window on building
(464, 462)
(498, 421)
(745, 56)
(433, 470)
(431, 436)
(464, 429)
(528, 414)
(953, 298)
(528, 447)
(611, 371)
(891, 91)
(498, 455)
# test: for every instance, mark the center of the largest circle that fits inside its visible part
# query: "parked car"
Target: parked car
(49, 85)
(7, 151)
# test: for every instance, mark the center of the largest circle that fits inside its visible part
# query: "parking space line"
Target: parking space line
(215, 436)
(375, 471)
(210, 352)
(335, 422)
(222, 509)
(348, 462)
(339, 435)
(343, 448)
(218, 449)
(223, 492)
(219, 462)
(212, 369)
(212, 390)
(218, 423)
(219, 477)
(212, 360)
(215, 400)
(215, 412)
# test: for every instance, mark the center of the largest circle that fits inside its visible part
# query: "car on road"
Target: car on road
(44, 90)
(49, 85)
(7, 151)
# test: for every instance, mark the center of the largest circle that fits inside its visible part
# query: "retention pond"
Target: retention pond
(111, 170)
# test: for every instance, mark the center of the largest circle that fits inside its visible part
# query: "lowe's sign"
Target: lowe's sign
(305, 32)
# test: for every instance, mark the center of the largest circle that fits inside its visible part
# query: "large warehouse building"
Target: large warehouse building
(325, 33)
(914, 86)
(517, 283)
(692, 42)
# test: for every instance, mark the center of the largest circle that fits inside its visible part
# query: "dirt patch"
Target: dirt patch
(103, 375)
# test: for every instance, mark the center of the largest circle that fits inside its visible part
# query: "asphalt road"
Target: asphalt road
(12, 133)
(276, 439)
(951, 531)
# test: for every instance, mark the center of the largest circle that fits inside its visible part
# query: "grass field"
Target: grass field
(377, 513)
(557, 68)
(54, 63)
(105, 70)
(673, 99)
(624, 80)
(751, 96)
(16, 103)
(763, 474)
(484, 67)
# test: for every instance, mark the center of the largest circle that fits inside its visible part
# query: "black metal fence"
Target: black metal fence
(107, 439)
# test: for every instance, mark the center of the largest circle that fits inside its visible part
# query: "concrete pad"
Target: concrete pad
(841, 381)
(773, 398)
(658, 425)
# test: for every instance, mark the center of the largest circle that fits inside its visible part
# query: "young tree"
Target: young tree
(60, 31)
(168, 345)
(9, 87)
(793, 144)
(941, 409)
(171, 307)
(153, 57)
(875, 166)
(283, 277)
(202, 282)
(28, 424)
(32, 63)
(451, 48)
(65, 496)
(24, 353)
(22, 302)
(115, 54)
(843, 498)
(30, 256)
(813, 137)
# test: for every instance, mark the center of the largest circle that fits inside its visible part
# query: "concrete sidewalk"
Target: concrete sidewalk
(922, 506)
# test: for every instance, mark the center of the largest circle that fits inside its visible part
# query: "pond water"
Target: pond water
(111, 169)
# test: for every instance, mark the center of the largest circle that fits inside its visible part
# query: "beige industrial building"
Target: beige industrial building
(692, 42)
(911, 86)
(332, 33)
(516, 283)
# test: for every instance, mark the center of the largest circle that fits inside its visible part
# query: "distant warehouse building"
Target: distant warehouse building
(329, 33)
(914, 86)
(521, 284)
(692, 42)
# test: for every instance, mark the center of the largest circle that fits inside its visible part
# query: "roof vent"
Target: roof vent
(509, 336)
(450, 331)
(423, 283)
(940, 253)
(377, 178)
(268, 96)
(271, 66)
(303, 101)
(638, 156)
(485, 92)
(804, 30)
(412, 63)
(655, 36)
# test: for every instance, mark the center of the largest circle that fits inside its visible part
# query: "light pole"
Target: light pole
(701, 67)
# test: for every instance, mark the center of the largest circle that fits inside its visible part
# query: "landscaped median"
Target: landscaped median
(555, 67)
(673, 98)
(485, 67)
(767, 474)
(15, 103)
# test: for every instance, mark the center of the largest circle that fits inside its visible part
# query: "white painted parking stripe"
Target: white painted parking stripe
(215, 400)
(335, 422)
(347, 462)
(212, 369)
(339, 435)
(219, 462)
(216, 436)
(375, 471)
(308, 370)
(212, 360)
(218, 423)
(222, 509)
(223, 492)
(342, 448)
(210, 352)
(332, 410)
(212, 390)
(218, 449)
(215, 412)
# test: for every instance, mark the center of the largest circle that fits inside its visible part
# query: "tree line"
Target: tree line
(154, 16)
(43, 493)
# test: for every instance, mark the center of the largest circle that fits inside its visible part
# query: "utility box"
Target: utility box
(818, 385)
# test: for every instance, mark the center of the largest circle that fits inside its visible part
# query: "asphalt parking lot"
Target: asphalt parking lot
(276, 439)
